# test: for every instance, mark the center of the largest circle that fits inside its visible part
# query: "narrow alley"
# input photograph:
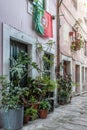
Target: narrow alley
(68, 117)
(43, 64)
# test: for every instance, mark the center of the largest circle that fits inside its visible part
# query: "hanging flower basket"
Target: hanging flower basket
(77, 45)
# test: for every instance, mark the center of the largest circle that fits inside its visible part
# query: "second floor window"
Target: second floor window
(85, 48)
(74, 2)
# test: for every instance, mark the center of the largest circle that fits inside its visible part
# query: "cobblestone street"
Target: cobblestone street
(67, 117)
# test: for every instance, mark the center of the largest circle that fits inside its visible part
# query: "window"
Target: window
(15, 48)
(47, 64)
(85, 16)
(74, 2)
(66, 67)
(85, 48)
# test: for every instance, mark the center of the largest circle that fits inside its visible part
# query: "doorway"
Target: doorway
(77, 78)
(66, 67)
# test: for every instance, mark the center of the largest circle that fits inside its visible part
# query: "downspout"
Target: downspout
(57, 69)
(58, 38)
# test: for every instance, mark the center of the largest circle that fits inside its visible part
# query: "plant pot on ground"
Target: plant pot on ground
(33, 103)
(30, 114)
(65, 85)
(13, 118)
(51, 101)
(62, 97)
(44, 107)
(12, 108)
(26, 115)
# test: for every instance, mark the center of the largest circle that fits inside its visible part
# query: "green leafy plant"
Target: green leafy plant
(34, 89)
(44, 105)
(63, 93)
(13, 94)
(77, 44)
(18, 69)
(65, 83)
(33, 113)
(48, 83)
(32, 99)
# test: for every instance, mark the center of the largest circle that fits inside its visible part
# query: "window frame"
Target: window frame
(85, 48)
(50, 71)
(75, 4)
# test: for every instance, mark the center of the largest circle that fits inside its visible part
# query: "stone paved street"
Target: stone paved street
(68, 117)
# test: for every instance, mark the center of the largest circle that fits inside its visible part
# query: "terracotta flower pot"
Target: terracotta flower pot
(26, 119)
(43, 113)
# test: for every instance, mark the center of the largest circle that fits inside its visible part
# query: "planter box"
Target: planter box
(13, 118)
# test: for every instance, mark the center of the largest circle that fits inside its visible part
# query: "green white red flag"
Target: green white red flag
(42, 22)
(47, 24)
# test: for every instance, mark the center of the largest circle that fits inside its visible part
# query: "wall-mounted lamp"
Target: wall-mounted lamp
(53, 17)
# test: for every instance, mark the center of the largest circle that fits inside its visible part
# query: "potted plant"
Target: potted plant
(33, 102)
(12, 108)
(47, 87)
(12, 91)
(63, 97)
(34, 89)
(33, 113)
(26, 115)
(30, 114)
(65, 85)
(51, 85)
(44, 106)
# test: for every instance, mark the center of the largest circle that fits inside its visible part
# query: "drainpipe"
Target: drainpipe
(57, 69)
(58, 37)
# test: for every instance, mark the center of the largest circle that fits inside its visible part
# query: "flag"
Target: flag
(42, 22)
(47, 24)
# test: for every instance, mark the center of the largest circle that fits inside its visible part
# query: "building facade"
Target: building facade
(73, 42)
(18, 32)
(20, 29)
